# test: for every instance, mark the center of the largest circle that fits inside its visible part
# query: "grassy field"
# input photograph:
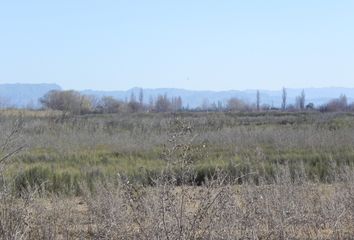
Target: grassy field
(62, 152)
(268, 175)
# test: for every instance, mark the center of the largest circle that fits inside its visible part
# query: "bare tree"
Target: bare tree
(10, 143)
(133, 103)
(67, 101)
(283, 97)
(220, 106)
(141, 98)
(132, 97)
(110, 105)
(300, 101)
(338, 104)
(235, 104)
(258, 96)
(176, 103)
(302, 105)
(151, 103)
(205, 104)
(162, 104)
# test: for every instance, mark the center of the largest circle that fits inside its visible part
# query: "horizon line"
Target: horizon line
(178, 88)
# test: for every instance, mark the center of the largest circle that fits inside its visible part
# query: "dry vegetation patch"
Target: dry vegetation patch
(186, 176)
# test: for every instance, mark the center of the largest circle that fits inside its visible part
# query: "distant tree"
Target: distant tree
(351, 107)
(291, 108)
(343, 101)
(67, 101)
(162, 104)
(258, 100)
(133, 104)
(302, 98)
(266, 107)
(179, 103)
(94, 100)
(205, 104)
(176, 103)
(338, 104)
(297, 102)
(300, 101)
(132, 97)
(213, 107)
(109, 104)
(151, 103)
(141, 98)
(220, 106)
(310, 106)
(283, 97)
(85, 104)
(235, 104)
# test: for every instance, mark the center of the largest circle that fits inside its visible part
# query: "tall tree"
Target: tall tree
(132, 98)
(133, 104)
(283, 99)
(176, 103)
(300, 101)
(151, 103)
(258, 100)
(162, 104)
(141, 98)
(220, 106)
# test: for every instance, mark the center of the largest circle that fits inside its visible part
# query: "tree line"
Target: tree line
(70, 101)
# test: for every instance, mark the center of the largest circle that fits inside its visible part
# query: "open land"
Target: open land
(188, 175)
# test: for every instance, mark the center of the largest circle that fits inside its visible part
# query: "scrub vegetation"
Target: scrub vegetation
(182, 175)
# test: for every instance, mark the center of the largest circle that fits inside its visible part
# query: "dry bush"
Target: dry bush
(171, 209)
(283, 210)
(14, 214)
(292, 207)
(173, 206)
(55, 217)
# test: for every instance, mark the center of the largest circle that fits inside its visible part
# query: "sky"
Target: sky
(191, 44)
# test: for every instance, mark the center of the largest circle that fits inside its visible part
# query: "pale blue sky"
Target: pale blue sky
(193, 44)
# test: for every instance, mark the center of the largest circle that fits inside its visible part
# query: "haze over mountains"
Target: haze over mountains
(27, 95)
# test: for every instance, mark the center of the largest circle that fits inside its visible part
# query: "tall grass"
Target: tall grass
(62, 153)
(186, 176)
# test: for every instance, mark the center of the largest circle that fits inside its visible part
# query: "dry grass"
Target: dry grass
(29, 113)
(289, 205)
(280, 211)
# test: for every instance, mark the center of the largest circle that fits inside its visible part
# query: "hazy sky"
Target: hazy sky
(193, 44)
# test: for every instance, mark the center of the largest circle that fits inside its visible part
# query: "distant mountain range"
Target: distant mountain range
(27, 95)
(24, 95)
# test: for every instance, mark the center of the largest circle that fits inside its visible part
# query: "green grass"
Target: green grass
(84, 149)
(63, 173)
